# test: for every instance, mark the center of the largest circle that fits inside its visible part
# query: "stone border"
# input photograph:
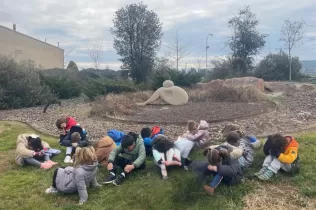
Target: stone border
(113, 119)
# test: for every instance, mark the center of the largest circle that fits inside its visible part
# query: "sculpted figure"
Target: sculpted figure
(169, 93)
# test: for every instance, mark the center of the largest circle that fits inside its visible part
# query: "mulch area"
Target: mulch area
(209, 111)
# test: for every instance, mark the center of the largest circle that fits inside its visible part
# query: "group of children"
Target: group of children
(123, 154)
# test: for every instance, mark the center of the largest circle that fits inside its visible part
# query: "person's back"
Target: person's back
(70, 179)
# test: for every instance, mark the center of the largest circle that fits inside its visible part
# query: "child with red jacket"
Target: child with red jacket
(70, 138)
(282, 153)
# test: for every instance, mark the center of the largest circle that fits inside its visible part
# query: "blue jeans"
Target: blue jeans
(216, 180)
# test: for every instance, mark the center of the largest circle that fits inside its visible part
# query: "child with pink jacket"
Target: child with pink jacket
(198, 133)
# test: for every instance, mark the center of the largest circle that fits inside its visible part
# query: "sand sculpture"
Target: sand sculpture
(169, 93)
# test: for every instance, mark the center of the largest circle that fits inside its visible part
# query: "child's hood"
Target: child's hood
(203, 125)
(105, 142)
(90, 167)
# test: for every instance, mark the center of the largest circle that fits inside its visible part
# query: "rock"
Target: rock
(305, 116)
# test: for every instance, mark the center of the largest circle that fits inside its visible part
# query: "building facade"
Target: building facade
(45, 55)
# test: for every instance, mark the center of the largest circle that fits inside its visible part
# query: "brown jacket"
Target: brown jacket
(23, 150)
(103, 149)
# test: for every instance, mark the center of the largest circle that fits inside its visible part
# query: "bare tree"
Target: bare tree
(96, 53)
(67, 52)
(178, 50)
(292, 34)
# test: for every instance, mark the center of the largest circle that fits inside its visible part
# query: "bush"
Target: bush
(223, 69)
(21, 86)
(276, 67)
(64, 88)
(96, 87)
(223, 93)
(118, 104)
(179, 78)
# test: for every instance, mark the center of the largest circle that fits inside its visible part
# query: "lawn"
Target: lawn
(23, 187)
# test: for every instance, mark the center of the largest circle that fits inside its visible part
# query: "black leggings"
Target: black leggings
(55, 176)
(121, 162)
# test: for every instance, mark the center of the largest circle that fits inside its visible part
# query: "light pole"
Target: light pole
(206, 47)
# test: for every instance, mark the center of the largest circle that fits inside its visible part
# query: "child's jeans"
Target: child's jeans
(275, 164)
(70, 150)
(121, 162)
(35, 160)
(217, 179)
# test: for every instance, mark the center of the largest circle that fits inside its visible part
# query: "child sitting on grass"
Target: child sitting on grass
(281, 153)
(64, 124)
(77, 178)
(222, 167)
(198, 133)
(31, 149)
(246, 144)
(165, 154)
(148, 136)
(76, 136)
(129, 156)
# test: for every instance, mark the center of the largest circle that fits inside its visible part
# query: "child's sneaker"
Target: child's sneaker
(266, 175)
(51, 190)
(262, 170)
(165, 177)
(186, 168)
(111, 177)
(119, 180)
(68, 159)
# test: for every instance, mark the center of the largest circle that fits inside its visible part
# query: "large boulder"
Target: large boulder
(242, 81)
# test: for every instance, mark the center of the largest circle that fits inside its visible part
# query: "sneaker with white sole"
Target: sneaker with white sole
(68, 159)
(51, 190)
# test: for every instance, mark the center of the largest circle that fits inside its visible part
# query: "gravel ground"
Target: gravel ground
(296, 110)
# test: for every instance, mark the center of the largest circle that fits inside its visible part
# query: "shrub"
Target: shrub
(21, 86)
(276, 67)
(96, 87)
(221, 92)
(118, 104)
(64, 88)
(179, 78)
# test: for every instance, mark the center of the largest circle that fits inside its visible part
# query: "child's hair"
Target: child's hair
(215, 156)
(134, 135)
(75, 137)
(192, 125)
(85, 155)
(279, 142)
(162, 144)
(232, 138)
(127, 140)
(35, 143)
(145, 132)
(61, 121)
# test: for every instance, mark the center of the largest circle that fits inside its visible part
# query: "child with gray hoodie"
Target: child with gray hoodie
(79, 177)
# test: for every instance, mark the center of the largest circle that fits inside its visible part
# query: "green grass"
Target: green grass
(23, 187)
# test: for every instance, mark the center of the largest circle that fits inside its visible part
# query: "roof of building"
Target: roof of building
(30, 37)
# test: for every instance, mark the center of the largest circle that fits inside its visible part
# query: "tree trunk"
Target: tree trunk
(290, 64)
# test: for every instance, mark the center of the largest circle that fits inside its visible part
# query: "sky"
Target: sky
(77, 24)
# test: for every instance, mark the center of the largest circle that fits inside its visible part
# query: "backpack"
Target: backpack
(116, 135)
(156, 130)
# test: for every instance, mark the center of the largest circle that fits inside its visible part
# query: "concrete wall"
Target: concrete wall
(44, 54)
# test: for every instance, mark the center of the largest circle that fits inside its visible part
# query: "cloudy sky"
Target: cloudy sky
(78, 23)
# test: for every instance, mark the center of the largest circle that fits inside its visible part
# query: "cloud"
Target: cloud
(76, 24)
